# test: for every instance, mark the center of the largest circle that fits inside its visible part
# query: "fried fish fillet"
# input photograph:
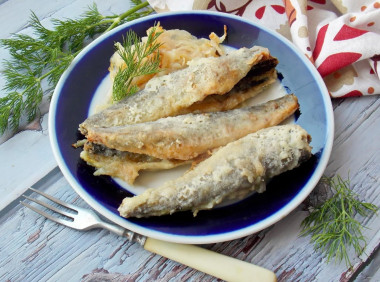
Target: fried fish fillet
(167, 95)
(126, 165)
(233, 171)
(123, 165)
(187, 136)
(254, 83)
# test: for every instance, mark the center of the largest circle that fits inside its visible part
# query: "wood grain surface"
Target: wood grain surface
(33, 248)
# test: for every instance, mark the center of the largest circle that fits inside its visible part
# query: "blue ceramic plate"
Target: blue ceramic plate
(74, 94)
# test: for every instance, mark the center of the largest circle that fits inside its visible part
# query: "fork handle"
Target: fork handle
(218, 265)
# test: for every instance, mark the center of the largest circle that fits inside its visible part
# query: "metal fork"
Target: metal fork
(218, 265)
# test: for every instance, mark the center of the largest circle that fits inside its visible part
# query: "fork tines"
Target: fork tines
(50, 207)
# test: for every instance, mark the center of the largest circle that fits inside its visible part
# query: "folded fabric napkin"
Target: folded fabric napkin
(341, 37)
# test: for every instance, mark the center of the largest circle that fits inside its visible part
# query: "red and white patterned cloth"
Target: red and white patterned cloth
(341, 37)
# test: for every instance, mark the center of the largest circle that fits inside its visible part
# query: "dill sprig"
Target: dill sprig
(140, 58)
(37, 62)
(332, 225)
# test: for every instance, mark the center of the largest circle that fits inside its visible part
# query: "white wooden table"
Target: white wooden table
(35, 249)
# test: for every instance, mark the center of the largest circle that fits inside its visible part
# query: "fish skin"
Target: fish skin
(167, 95)
(235, 170)
(187, 136)
(123, 165)
(244, 90)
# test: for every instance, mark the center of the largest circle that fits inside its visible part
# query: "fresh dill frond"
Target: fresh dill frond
(332, 225)
(140, 58)
(37, 62)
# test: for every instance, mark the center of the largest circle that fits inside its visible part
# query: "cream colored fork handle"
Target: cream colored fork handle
(218, 265)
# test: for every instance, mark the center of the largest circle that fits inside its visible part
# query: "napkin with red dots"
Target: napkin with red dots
(340, 37)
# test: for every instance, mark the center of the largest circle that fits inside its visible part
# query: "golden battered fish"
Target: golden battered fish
(123, 165)
(232, 172)
(261, 75)
(167, 95)
(187, 136)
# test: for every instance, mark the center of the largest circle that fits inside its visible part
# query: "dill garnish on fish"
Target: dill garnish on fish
(141, 58)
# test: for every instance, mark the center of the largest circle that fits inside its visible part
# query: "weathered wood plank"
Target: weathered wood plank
(25, 159)
(46, 252)
(371, 272)
(36, 249)
(16, 13)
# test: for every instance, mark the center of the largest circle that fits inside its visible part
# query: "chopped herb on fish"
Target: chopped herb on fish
(141, 58)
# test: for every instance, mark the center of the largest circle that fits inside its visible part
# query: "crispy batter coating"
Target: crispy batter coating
(187, 136)
(167, 95)
(233, 171)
